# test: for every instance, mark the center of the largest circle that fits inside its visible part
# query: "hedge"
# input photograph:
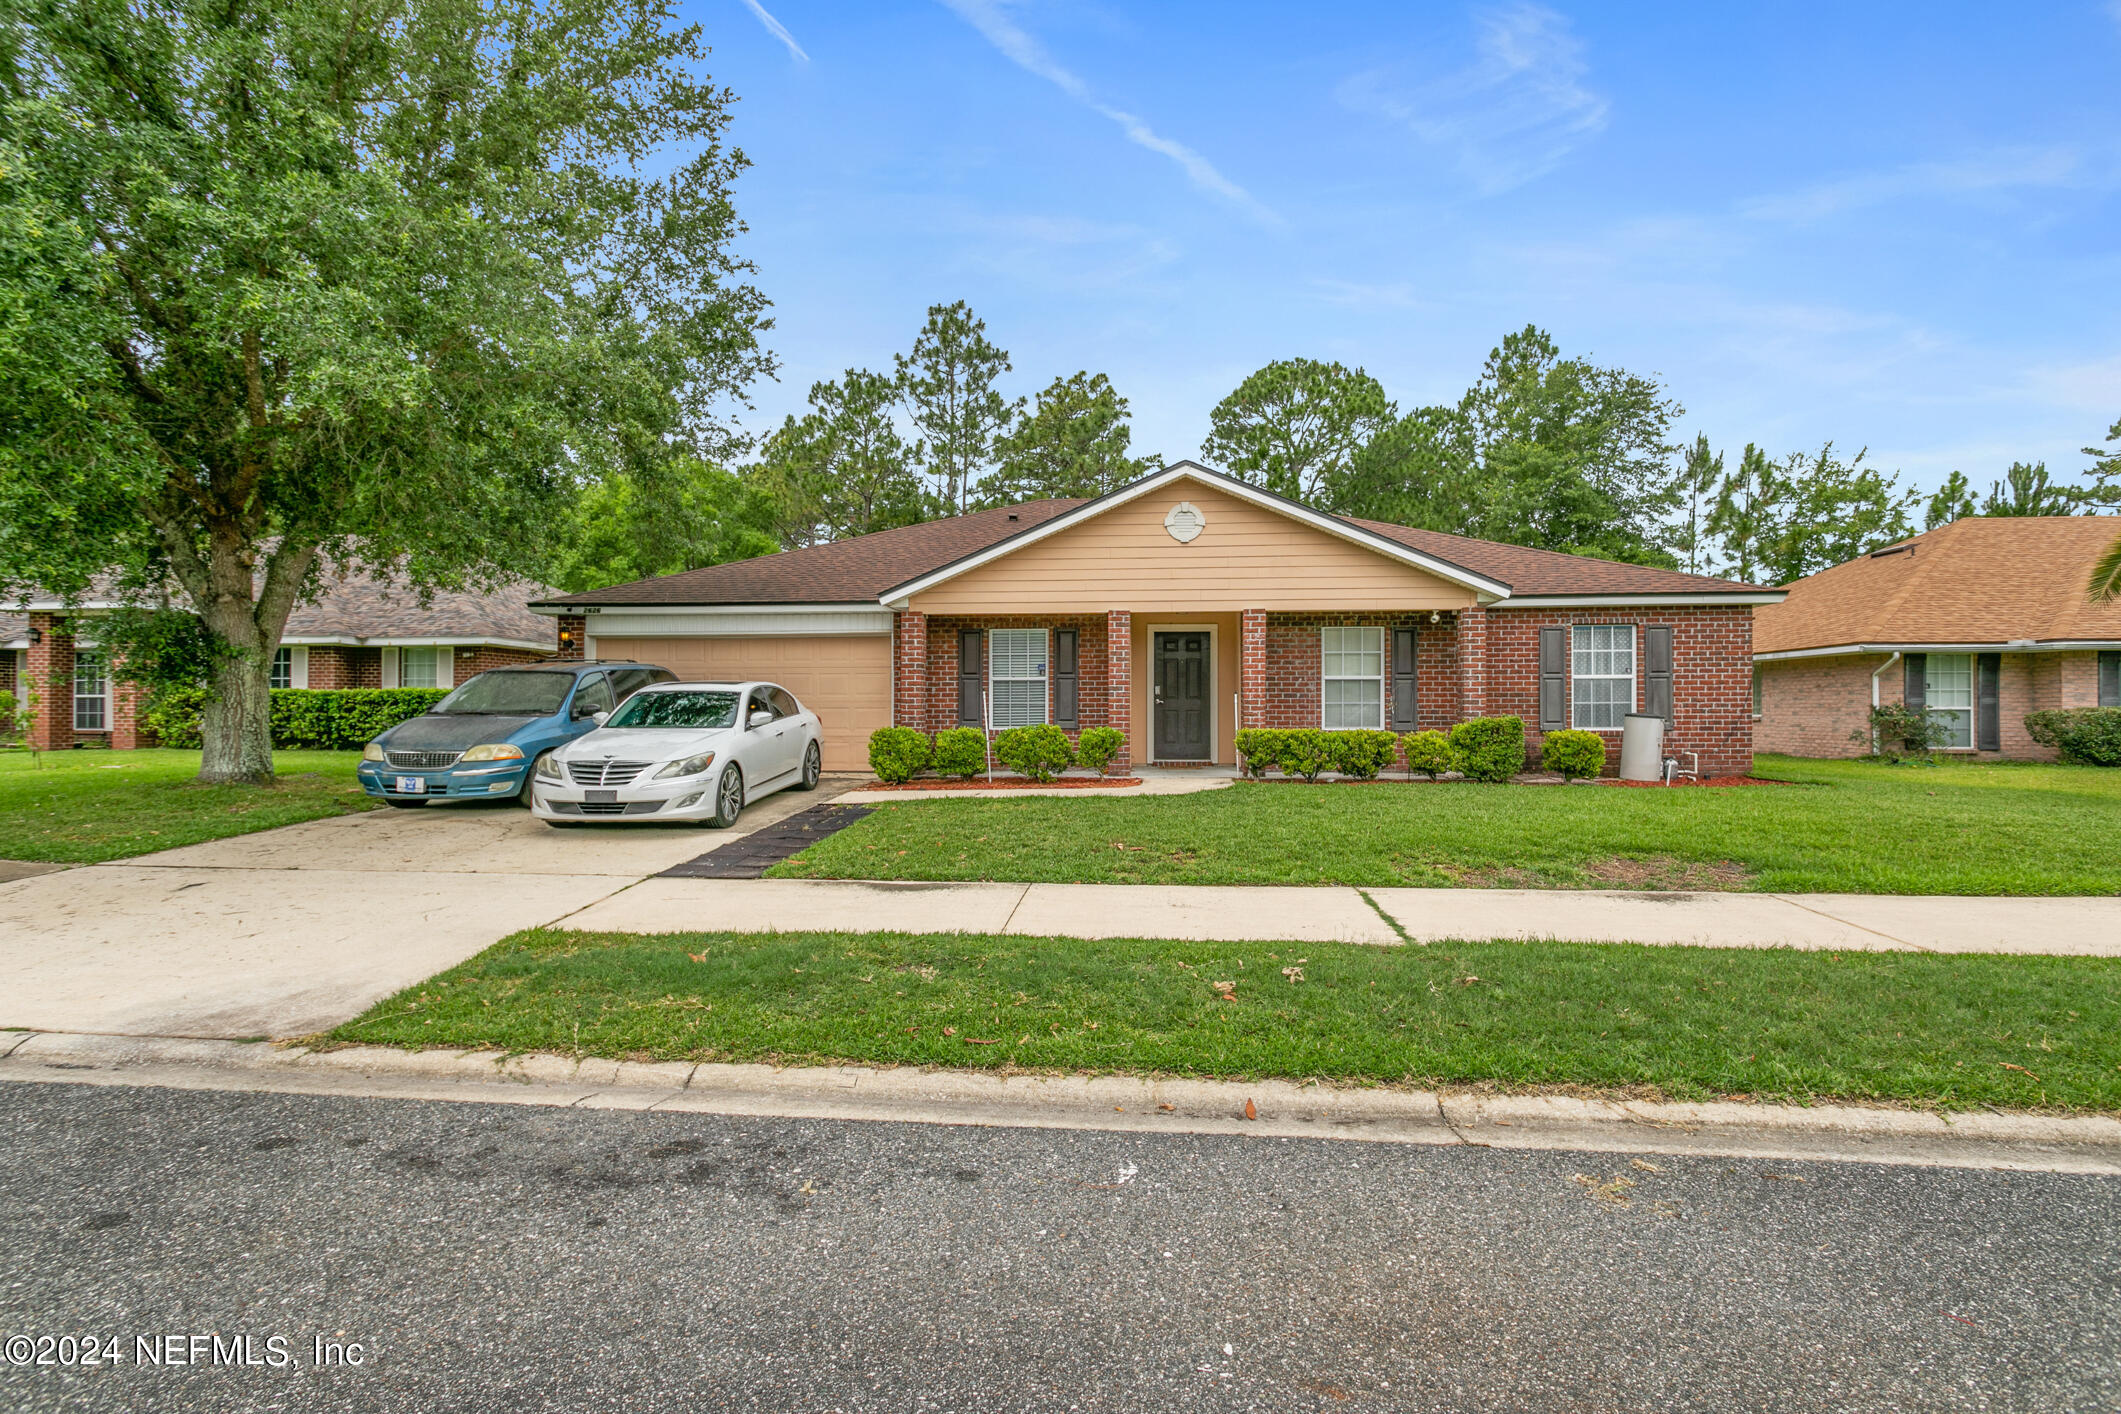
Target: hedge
(1098, 747)
(1489, 748)
(1576, 755)
(323, 719)
(2086, 736)
(898, 754)
(1361, 754)
(960, 752)
(1038, 753)
(1429, 753)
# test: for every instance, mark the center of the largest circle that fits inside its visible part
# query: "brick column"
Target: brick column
(1119, 684)
(1472, 662)
(1252, 668)
(909, 681)
(51, 677)
(126, 699)
(573, 629)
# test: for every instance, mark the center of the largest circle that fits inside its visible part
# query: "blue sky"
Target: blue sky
(1889, 225)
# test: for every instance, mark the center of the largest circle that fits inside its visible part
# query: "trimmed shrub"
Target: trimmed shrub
(1261, 748)
(1099, 747)
(1489, 748)
(319, 719)
(1306, 751)
(1898, 732)
(1428, 752)
(897, 754)
(2086, 736)
(960, 752)
(1575, 755)
(1362, 754)
(172, 714)
(1037, 753)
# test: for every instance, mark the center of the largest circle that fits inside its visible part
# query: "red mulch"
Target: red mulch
(1012, 783)
(1711, 781)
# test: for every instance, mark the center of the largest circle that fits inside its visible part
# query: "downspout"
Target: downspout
(1874, 693)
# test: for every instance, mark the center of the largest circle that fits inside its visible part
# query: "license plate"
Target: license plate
(600, 797)
(412, 785)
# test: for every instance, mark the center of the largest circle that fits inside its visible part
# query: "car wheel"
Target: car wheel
(728, 799)
(813, 767)
(399, 802)
(529, 776)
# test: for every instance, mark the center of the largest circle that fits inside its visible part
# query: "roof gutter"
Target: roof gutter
(2015, 645)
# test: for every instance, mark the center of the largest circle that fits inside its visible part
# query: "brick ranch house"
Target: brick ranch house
(1982, 621)
(1184, 605)
(362, 632)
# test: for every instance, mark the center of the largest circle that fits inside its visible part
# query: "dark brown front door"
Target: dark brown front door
(1179, 682)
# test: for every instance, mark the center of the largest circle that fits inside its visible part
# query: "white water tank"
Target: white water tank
(1641, 748)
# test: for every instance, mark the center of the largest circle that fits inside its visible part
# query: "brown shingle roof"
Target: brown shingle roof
(356, 606)
(856, 571)
(1980, 580)
(1536, 573)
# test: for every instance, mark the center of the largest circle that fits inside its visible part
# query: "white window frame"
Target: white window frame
(1041, 658)
(282, 671)
(1633, 676)
(1929, 696)
(443, 660)
(100, 697)
(1326, 649)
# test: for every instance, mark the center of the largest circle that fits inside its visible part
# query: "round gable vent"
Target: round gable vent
(1185, 522)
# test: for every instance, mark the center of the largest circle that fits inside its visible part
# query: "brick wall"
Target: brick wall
(1712, 692)
(483, 659)
(909, 670)
(1812, 706)
(1289, 690)
(51, 677)
(572, 629)
(928, 698)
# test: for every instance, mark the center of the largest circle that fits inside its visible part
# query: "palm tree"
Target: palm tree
(2106, 575)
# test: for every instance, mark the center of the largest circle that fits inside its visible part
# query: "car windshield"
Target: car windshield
(505, 693)
(676, 709)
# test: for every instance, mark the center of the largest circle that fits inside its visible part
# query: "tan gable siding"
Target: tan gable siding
(1248, 557)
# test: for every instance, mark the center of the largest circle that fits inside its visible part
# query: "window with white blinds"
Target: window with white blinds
(1016, 676)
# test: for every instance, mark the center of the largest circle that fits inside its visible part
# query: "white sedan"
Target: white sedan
(691, 751)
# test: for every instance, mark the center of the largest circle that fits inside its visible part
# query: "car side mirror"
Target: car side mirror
(760, 718)
(599, 717)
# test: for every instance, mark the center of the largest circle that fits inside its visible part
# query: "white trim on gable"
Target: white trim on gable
(1484, 589)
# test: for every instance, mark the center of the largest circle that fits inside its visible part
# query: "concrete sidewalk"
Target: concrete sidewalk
(1846, 922)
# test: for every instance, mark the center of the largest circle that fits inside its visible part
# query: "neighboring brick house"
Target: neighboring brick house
(1184, 605)
(360, 633)
(1983, 621)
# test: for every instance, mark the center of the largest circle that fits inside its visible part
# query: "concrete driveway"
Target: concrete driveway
(290, 931)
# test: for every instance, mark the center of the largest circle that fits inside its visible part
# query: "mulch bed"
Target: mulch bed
(1012, 783)
(1424, 781)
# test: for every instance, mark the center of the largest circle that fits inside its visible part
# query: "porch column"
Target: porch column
(1119, 684)
(909, 681)
(1252, 668)
(125, 704)
(51, 677)
(1472, 662)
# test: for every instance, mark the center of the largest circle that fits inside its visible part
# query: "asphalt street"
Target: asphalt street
(495, 1257)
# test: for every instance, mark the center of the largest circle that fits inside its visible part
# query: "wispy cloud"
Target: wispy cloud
(2002, 170)
(1023, 50)
(778, 30)
(1508, 117)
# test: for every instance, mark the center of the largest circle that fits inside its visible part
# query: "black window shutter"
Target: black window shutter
(2110, 679)
(970, 678)
(1917, 692)
(1988, 724)
(1657, 673)
(1404, 644)
(1553, 680)
(1065, 678)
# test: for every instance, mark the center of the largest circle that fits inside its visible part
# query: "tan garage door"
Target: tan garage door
(845, 679)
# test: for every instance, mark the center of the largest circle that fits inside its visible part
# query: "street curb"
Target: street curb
(1275, 1109)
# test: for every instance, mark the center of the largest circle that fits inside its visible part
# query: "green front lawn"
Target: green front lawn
(84, 807)
(1841, 827)
(1682, 1022)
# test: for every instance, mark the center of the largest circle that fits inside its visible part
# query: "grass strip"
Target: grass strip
(1682, 1022)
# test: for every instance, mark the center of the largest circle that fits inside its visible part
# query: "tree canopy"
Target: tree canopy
(1295, 426)
(389, 284)
(1074, 442)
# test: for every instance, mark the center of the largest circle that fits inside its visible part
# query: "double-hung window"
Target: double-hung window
(1016, 677)
(1353, 671)
(1602, 687)
(417, 667)
(283, 668)
(1948, 691)
(91, 694)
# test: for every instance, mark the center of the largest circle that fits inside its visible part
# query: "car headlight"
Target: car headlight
(372, 752)
(549, 768)
(690, 766)
(493, 751)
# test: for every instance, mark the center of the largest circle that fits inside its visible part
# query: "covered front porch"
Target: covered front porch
(1180, 684)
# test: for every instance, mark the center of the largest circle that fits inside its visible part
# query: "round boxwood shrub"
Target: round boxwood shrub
(897, 754)
(2084, 736)
(1261, 748)
(1099, 747)
(960, 752)
(1362, 754)
(1037, 753)
(1489, 748)
(1305, 751)
(1575, 755)
(1428, 752)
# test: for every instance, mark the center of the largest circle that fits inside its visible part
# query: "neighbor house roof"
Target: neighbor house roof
(864, 569)
(1979, 582)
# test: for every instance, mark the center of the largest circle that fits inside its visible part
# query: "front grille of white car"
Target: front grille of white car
(605, 773)
(626, 807)
(423, 760)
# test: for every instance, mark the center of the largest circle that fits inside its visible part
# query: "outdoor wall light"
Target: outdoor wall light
(36, 635)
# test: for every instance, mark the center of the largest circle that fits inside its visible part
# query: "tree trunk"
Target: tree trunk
(235, 731)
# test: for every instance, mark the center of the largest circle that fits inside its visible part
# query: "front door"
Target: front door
(1180, 689)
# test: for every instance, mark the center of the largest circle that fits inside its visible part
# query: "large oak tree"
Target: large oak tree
(289, 282)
